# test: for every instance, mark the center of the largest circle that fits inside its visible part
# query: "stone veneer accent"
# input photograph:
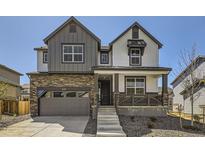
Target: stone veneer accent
(59, 80)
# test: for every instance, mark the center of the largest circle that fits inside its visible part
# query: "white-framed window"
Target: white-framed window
(104, 58)
(73, 53)
(135, 85)
(135, 56)
(45, 57)
(67, 94)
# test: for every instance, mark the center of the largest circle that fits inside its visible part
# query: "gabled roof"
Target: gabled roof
(65, 24)
(141, 28)
(199, 60)
(9, 69)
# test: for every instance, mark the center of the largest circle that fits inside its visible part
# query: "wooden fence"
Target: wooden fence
(23, 107)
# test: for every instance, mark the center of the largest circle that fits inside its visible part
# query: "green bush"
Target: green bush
(153, 119)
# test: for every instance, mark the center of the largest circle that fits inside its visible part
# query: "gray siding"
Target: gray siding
(55, 63)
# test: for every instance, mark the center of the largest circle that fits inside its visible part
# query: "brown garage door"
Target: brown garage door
(64, 106)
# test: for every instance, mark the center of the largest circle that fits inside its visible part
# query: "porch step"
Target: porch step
(108, 124)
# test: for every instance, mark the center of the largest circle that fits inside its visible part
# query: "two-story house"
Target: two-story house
(181, 93)
(75, 73)
(9, 90)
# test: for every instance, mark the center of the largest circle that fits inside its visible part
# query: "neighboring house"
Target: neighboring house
(10, 86)
(180, 94)
(25, 92)
(75, 73)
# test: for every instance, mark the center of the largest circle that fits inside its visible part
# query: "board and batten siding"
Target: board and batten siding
(55, 58)
(41, 67)
(120, 51)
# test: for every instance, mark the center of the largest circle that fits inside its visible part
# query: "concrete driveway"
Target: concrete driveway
(51, 126)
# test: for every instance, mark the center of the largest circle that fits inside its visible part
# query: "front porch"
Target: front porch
(111, 88)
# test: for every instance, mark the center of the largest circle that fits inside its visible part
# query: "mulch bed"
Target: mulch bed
(167, 126)
(91, 128)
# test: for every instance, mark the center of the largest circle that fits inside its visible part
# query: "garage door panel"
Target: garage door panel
(64, 106)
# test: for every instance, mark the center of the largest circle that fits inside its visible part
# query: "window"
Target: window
(67, 94)
(104, 57)
(73, 53)
(83, 94)
(58, 94)
(45, 57)
(71, 94)
(135, 57)
(72, 28)
(135, 85)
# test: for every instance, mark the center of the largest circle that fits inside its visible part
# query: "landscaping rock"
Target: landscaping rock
(159, 127)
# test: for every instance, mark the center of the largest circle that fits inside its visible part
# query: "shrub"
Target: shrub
(150, 125)
(153, 119)
(194, 128)
(196, 118)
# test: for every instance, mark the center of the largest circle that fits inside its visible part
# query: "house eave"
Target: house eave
(60, 72)
(132, 68)
(11, 70)
(180, 75)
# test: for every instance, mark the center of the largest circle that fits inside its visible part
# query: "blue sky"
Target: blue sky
(19, 35)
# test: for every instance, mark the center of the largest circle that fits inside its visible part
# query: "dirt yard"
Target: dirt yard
(159, 127)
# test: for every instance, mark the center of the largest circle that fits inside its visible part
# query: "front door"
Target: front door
(105, 92)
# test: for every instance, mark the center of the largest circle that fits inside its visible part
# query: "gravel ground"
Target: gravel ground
(91, 128)
(7, 120)
(158, 127)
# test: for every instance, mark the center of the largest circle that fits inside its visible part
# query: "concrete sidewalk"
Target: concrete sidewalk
(108, 124)
(57, 126)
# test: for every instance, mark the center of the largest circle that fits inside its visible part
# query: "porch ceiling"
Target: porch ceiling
(131, 72)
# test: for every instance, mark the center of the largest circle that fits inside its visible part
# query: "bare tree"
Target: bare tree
(190, 82)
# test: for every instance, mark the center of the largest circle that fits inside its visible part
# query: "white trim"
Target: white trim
(135, 56)
(44, 59)
(104, 55)
(73, 54)
(131, 72)
(135, 86)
